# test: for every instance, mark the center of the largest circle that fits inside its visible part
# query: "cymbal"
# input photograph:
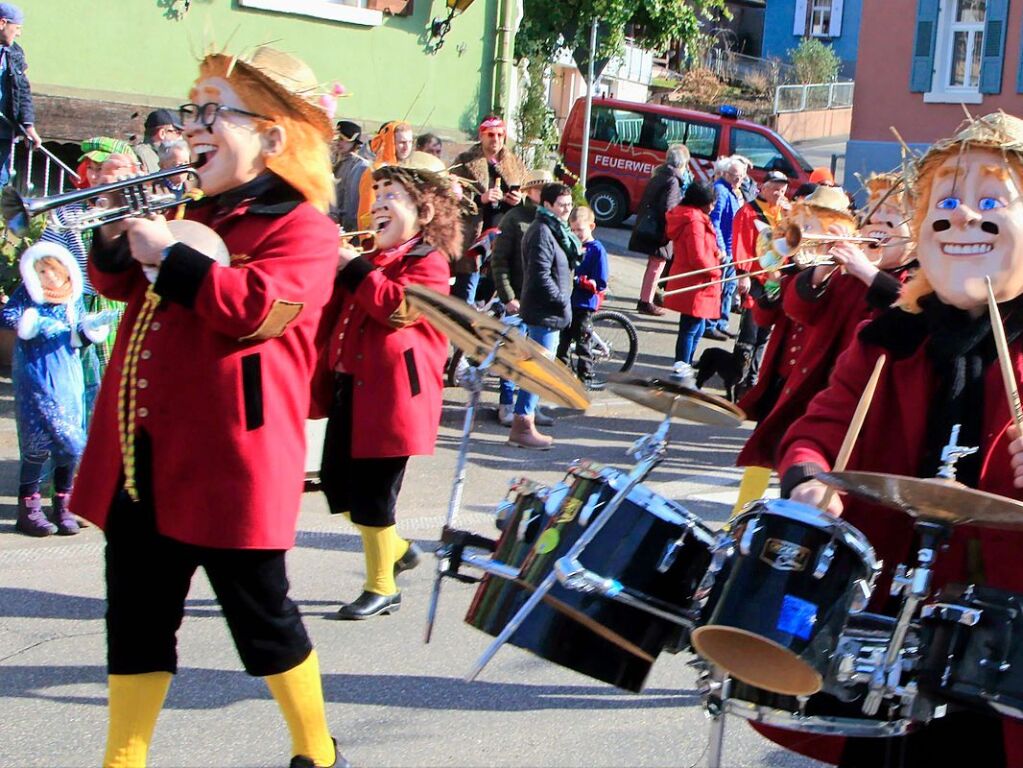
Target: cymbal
(518, 358)
(666, 396)
(931, 497)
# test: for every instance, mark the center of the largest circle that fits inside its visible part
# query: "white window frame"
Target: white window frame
(819, 6)
(941, 92)
(332, 10)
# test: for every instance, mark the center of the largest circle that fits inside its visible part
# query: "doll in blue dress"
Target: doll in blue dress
(52, 326)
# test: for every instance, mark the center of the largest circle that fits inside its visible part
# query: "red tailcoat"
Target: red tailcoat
(695, 247)
(224, 372)
(396, 358)
(892, 440)
(823, 324)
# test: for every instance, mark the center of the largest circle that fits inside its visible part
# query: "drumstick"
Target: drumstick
(859, 415)
(1004, 361)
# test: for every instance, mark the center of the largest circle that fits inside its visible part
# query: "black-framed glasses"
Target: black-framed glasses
(207, 113)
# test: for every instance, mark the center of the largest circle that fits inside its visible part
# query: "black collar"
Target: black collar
(267, 194)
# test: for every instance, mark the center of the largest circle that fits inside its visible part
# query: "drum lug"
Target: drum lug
(902, 579)
(573, 575)
(1000, 666)
(957, 614)
(718, 557)
(862, 590)
(671, 551)
(824, 560)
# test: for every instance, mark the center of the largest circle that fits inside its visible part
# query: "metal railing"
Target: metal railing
(749, 70)
(801, 98)
(36, 171)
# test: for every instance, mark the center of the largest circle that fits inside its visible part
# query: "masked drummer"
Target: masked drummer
(381, 369)
(941, 371)
(196, 454)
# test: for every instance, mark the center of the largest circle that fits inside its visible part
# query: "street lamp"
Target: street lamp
(440, 27)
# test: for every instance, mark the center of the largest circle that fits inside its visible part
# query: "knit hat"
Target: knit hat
(822, 176)
(99, 148)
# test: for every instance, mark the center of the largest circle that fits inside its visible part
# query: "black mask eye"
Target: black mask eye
(941, 225)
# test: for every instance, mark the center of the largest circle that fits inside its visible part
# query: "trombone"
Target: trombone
(137, 198)
(363, 235)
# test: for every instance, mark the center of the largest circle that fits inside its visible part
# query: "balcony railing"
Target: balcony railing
(801, 98)
(37, 172)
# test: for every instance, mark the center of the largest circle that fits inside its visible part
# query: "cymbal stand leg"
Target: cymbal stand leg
(650, 451)
(716, 712)
(473, 381)
(915, 584)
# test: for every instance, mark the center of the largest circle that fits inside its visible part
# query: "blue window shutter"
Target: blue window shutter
(923, 46)
(995, 17)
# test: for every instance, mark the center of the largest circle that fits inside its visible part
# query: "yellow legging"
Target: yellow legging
(383, 547)
(753, 486)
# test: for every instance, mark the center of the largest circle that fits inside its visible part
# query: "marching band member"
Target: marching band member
(942, 371)
(222, 355)
(381, 369)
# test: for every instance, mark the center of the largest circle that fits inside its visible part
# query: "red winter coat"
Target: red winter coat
(892, 440)
(396, 359)
(823, 324)
(224, 373)
(696, 247)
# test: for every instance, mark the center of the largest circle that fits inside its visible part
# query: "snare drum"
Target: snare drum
(973, 642)
(651, 545)
(791, 577)
(521, 516)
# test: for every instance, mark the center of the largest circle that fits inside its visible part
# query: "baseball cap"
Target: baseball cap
(776, 176)
(349, 131)
(822, 176)
(159, 117)
(12, 13)
(100, 148)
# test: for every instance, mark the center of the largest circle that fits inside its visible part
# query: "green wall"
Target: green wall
(122, 50)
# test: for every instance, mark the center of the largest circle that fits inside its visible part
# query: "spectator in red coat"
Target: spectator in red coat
(695, 245)
(381, 370)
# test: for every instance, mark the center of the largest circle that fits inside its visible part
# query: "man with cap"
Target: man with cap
(162, 126)
(15, 92)
(349, 169)
(506, 269)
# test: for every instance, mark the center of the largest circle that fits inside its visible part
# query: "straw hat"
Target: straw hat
(292, 81)
(829, 198)
(994, 131)
(536, 178)
(424, 161)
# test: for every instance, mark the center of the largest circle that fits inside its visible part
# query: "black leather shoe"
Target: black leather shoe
(369, 604)
(301, 761)
(714, 333)
(409, 560)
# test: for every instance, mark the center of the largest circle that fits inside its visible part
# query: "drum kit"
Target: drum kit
(600, 574)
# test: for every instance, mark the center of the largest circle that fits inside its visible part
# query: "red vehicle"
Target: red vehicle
(629, 140)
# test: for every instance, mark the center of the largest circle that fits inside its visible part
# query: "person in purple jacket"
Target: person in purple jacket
(588, 288)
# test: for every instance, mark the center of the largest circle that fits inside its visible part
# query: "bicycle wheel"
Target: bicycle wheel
(614, 345)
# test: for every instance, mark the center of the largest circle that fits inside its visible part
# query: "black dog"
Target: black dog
(732, 367)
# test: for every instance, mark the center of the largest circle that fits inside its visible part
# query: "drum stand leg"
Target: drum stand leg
(650, 450)
(474, 383)
(716, 711)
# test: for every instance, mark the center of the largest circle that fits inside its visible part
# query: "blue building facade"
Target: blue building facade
(834, 22)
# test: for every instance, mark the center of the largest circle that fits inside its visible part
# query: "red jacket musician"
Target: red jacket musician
(381, 369)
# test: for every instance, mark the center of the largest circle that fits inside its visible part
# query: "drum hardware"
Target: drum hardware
(951, 454)
(671, 551)
(824, 560)
(914, 586)
(650, 451)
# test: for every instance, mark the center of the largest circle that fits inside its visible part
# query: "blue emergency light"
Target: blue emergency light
(728, 110)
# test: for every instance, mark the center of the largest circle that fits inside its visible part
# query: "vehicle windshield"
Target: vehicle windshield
(795, 153)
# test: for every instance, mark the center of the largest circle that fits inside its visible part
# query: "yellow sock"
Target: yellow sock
(399, 544)
(379, 544)
(135, 703)
(753, 486)
(299, 694)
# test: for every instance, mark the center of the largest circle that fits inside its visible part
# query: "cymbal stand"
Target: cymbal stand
(472, 381)
(715, 686)
(649, 451)
(915, 586)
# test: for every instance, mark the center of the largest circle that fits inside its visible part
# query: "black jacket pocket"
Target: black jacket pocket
(413, 372)
(252, 391)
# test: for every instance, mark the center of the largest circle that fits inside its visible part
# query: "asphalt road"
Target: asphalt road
(391, 700)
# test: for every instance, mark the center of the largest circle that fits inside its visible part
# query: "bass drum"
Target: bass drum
(651, 545)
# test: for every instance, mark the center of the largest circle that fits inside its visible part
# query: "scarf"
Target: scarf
(568, 242)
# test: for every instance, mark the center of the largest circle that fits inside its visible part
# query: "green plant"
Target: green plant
(11, 248)
(536, 122)
(814, 62)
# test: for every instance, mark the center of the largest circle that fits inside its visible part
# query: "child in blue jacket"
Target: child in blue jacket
(591, 277)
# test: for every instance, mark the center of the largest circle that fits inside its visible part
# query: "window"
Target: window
(349, 11)
(958, 52)
(648, 130)
(820, 18)
(761, 151)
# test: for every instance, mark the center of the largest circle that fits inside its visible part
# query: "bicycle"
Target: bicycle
(614, 344)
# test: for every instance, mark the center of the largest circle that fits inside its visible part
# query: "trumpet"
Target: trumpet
(802, 247)
(136, 197)
(364, 235)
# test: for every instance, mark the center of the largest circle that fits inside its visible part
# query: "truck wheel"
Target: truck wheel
(608, 204)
